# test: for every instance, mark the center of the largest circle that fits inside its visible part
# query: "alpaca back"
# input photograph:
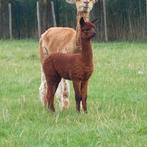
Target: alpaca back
(57, 39)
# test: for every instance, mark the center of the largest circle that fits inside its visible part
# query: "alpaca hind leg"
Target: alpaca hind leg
(66, 94)
(62, 93)
(84, 95)
(51, 89)
(77, 89)
(43, 87)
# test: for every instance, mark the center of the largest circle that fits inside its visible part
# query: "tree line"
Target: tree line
(126, 19)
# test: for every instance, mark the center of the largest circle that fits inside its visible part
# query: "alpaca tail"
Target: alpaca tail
(46, 51)
(43, 51)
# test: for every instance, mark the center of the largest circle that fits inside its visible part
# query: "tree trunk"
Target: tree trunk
(105, 20)
(146, 22)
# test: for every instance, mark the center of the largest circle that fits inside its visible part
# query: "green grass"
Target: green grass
(117, 102)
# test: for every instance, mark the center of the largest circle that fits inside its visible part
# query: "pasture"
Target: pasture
(117, 100)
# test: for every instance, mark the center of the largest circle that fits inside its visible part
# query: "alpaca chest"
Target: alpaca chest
(87, 72)
(81, 73)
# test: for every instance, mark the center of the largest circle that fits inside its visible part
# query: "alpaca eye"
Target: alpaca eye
(86, 30)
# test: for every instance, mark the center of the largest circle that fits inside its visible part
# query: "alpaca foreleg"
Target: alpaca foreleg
(43, 87)
(84, 95)
(78, 98)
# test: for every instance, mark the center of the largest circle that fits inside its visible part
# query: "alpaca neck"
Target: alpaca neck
(85, 15)
(87, 54)
(86, 18)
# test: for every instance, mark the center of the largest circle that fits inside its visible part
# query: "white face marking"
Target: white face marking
(83, 5)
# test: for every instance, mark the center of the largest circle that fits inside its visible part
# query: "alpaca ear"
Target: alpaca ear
(95, 1)
(94, 21)
(70, 1)
(82, 22)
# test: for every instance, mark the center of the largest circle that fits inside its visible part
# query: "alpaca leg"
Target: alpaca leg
(59, 94)
(66, 93)
(43, 87)
(84, 95)
(63, 94)
(77, 89)
(50, 96)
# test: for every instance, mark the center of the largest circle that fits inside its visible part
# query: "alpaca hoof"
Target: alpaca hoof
(51, 108)
(85, 111)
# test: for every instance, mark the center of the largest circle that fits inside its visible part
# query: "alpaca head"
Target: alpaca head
(83, 5)
(87, 29)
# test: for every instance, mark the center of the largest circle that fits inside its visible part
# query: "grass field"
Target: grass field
(117, 102)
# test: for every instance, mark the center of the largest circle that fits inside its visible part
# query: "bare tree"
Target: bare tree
(45, 11)
(146, 21)
(105, 20)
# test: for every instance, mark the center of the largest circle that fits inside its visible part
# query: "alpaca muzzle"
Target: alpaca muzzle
(94, 34)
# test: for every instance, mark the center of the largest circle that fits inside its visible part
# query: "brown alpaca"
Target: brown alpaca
(76, 67)
(63, 40)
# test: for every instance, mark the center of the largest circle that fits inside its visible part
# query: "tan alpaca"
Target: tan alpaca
(64, 40)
